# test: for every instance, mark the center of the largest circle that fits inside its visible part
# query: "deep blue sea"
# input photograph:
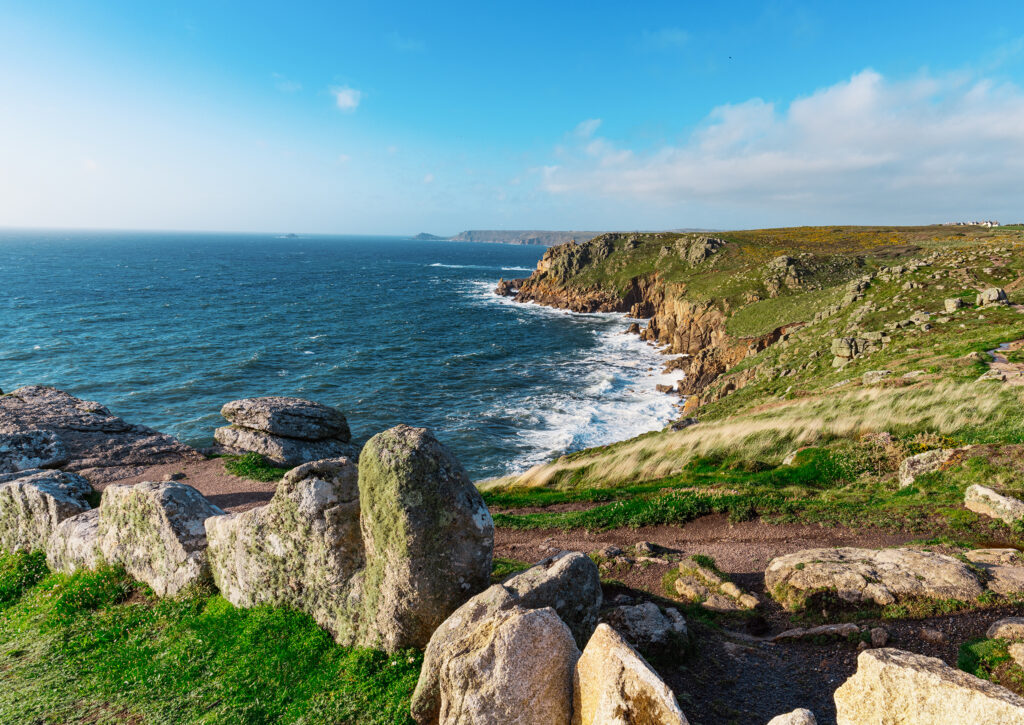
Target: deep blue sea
(164, 328)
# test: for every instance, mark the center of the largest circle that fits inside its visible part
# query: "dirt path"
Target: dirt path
(229, 492)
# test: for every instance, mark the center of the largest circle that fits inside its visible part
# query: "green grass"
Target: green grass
(504, 568)
(990, 660)
(19, 571)
(96, 647)
(254, 467)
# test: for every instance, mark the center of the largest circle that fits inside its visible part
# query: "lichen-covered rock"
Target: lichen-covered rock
(30, 449)
(699, 584)
(858, 576)
(985, 501)
(156, 532)
(1004, 569)
(99, 445)
(34, 502)
(613, 685)
(428, 537)
(1010, 628)
(953, 304)
(300, 550)
(288, 417)
(514, 668)
(280, 450)
(992, 296)
(800, 716)
(648, 628)
(568, 582)
(74, 544)
(892, 686)
(923, 463)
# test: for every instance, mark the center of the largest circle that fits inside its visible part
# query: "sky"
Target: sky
(397, 118)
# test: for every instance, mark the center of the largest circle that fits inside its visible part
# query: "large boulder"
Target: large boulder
(613, 685)
(279, 450)
(98, 445)
(514, 668)
(892, 686)
(923, 463)
(34, 502)
(74, 543)
(285, 431)
(428, 536)
(288, 417)
(569, 583)
(300, 550)
(992, 296)
(874, 576)
(985, 501)
(30, 449)
(156, 532)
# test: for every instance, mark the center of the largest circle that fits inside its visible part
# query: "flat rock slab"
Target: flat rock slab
(156, 532)
(1004, 567)
(893, 686)
(987, 502)
(613, 685)
(33, 503)
(881, 576)
(288, 417)
(31, 449)
(280, 450)
(99, 445)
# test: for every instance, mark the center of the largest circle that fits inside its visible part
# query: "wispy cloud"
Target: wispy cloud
(404, 44)
(346, 98)
(916, 146)
(586, 129)
(284, 84)
(665, 39)
(428, 179)
(343, 159)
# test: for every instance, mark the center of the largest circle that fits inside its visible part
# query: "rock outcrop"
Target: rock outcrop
(991, 296)
(613, 685)
(513, 667)
(34, 502)
(569, 583)
(858, 576)
(285, 431)
(985, 501)
(1004, 569)
(893, 686)
(97, 444)
(378, 555)
(922, 463)
(74, 543)
(30, 449)
(156, 532)
(300, 550)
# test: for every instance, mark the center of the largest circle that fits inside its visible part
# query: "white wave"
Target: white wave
(482, 266)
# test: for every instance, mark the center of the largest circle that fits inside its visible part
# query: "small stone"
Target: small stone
(879, 637)
(730, 589)
(645, 547)
(800, 716)
(175, 476)
(934, 636)
(1010, 628)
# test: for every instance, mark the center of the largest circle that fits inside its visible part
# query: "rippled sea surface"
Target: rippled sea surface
(164, 328)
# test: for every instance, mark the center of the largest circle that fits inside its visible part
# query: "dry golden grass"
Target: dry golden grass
(768, 432)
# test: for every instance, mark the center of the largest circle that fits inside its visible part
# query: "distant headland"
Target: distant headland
(512, 236)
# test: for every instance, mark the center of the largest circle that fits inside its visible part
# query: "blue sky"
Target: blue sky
(405, 117)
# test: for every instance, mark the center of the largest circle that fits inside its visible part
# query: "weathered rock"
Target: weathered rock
(156, 532)
(700, 584)
(1003, 567)
(99, 445)
(1011, 628)
(613, 685)
(74, 543)
(1016, 652)
(953, 304)
(892, 686)
(879, 637)
(923, 463)
(288, 417)
(34, 502)
(30, 449)
(881, 576)
(282, 451)
(985, 501)
(648, 628)
(800, 716)
(568, 582)
(300, 550)
(875, 376)
(839, 631)
(992, 296)
(514, 667)
(428, 537)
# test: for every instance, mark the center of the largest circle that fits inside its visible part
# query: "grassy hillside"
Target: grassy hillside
(887, 285)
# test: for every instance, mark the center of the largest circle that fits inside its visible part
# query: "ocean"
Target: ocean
(164, 328)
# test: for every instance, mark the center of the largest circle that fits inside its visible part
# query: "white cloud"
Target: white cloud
(428, 179)
(586, 129)
(925, 146)
(347, 98)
